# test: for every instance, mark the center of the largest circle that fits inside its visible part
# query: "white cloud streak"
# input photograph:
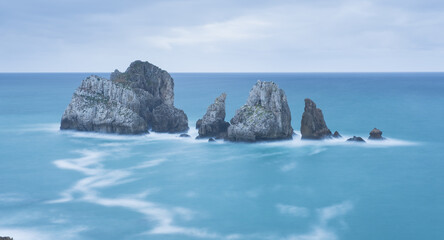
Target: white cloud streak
(340, 35)
(233, 30)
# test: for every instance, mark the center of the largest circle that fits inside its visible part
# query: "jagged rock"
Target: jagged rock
(265, 116)
(184, 135)
(126, 104)
(337, 135)
(213, 122)
(313, 125)
(167, 118)
(211, 140)
(101, 105)
(355, 139)
(376, 134)
(6, 238)
(150, 78)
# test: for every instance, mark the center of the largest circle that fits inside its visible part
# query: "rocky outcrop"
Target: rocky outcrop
(376, 134)
(213, 122)
(265, 116)
(146, 76)
(100, 105)
(355, 139)
(167, 118)
(313, 125)
(6, 238)
(337, 135)
(129, 103)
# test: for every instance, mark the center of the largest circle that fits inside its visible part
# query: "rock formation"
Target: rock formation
(376, 134)
(100, 105)
(213, 122)
(167, 118)
(355, 139)
(265, 116)
(313, 125)
(337, 135)
(6, 238)
(129, 103)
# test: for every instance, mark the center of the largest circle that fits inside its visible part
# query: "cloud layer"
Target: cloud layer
(199, 35)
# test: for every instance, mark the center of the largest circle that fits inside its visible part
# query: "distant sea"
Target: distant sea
(89, 186)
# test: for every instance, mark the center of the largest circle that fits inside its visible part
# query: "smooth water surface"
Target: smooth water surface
(75, 185)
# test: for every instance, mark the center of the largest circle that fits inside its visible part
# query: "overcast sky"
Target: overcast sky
(222, 36)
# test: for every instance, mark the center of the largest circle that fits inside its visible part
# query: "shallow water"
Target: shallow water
(76, 185)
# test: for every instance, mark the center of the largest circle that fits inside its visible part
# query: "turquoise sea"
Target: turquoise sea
(75, 185)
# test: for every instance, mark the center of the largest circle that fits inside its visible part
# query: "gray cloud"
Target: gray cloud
(217, 35)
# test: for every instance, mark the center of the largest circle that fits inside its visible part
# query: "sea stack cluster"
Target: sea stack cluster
(142, 98)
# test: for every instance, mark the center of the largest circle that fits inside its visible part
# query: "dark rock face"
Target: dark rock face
(355, 139)
(265, 116)
(213, 122)
(337, 135)
(6, 238)
(313, 125)
(169, 119)
(129, 103)
(376, 134)
(198, 123)
(146, 76)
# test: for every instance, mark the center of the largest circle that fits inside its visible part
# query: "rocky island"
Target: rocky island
(131, 102)
(376, 134)
(313, 125)
(265, 116)
(213, 122)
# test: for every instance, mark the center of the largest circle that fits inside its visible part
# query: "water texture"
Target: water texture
(76, 185)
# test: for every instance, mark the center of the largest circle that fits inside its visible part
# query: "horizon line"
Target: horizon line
(289, 72)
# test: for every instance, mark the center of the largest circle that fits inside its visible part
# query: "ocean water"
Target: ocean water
(74, 185)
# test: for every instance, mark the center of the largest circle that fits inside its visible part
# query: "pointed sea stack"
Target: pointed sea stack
(213, 122)
(376, 134)
(337, 135)
(129, 103)
(265, 116)
(313, 125)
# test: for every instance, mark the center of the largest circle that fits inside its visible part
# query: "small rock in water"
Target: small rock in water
(376, 134)
(211, 140)
(355, 139)
(184, 135)
(337, 135)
